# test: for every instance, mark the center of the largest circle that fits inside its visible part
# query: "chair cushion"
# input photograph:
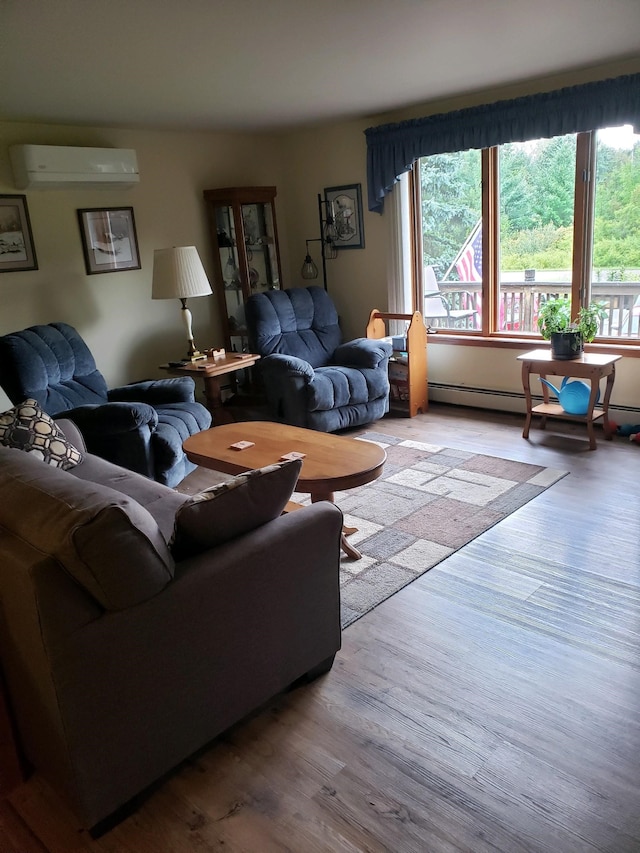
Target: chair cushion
(26, 427)
(302, 322)
(106, 541)
(53, 365)
(346, 417)
(232, 508)
(333, 387)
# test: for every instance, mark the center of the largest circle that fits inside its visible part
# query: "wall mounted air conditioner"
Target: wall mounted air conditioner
(63, 166)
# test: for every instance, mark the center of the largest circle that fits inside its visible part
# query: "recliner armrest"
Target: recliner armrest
(180, 389)
(279, 365)
(112, 418)
(362, 352)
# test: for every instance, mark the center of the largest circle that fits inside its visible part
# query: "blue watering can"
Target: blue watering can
(573, 396)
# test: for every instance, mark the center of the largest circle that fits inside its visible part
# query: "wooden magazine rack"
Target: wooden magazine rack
(407, 370)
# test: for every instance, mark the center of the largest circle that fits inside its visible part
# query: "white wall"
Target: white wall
(331, 156)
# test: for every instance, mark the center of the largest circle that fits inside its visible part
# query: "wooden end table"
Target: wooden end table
(210, 370)
(590, 366)
(331, 462)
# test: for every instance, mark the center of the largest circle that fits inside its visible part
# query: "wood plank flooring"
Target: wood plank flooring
(492, 705)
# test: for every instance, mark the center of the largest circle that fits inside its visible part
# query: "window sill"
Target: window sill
(628, 350)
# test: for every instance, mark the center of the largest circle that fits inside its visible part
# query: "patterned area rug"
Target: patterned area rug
(429, 502)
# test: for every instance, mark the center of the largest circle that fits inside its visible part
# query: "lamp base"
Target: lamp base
(194, 353)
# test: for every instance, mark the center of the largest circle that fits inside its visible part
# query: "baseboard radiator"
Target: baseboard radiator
(508, 401)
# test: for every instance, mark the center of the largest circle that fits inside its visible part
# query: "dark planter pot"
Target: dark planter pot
(566, 345)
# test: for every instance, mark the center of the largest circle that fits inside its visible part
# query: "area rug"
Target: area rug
(428, 503)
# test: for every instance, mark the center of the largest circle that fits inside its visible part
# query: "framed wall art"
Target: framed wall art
(347, 214)
(109, 239)
(17, 251)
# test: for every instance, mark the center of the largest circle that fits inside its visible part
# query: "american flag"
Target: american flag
(468, 263)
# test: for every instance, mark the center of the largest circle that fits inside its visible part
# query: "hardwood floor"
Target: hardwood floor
(492, 705)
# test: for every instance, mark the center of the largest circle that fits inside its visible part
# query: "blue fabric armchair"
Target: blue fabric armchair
(311, 378)
(140, 426)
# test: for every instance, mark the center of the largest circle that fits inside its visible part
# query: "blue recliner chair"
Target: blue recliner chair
(140, 426)
(311, 378)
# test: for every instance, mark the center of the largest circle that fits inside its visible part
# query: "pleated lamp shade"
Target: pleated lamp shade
(178, 274)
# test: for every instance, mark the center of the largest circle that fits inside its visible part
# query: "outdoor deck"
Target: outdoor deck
(519, 303)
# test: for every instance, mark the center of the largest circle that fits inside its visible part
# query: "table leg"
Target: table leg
(606, 426)
(595, 385)
(526, 379)
(346, 546)
(545, 399)
(213, 396)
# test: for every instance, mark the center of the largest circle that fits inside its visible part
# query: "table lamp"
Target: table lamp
(178, 274)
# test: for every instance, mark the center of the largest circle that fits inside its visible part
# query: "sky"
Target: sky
(619, 137)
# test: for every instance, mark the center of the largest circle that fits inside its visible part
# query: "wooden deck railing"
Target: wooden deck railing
(519, 303)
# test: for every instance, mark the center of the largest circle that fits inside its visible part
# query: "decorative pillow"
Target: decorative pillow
(233, 508)
(27, 427)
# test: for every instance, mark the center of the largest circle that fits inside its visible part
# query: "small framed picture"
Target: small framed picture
(347, 215)
(17, 251)
(109, 239)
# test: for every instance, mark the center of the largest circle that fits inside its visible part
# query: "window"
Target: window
(536, 189)
(502, 229)
(450, 238)
(615, 270)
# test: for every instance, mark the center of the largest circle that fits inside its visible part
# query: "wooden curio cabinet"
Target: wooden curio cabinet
(246, 255)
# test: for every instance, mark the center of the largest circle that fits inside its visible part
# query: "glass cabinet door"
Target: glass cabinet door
(230, 278)
(246, 255)
(259, 241)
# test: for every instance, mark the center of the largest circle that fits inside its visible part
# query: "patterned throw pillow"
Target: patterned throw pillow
(233, 508)
(27, 427)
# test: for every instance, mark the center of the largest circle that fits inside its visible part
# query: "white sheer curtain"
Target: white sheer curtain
(397, 209)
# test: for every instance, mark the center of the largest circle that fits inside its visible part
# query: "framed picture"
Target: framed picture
(17, 251)
(347, 215)
(109, 239)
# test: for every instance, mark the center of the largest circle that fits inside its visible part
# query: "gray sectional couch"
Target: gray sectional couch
(120, 659)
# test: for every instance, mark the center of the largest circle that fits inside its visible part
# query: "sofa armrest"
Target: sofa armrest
(278, 365)
(180, 389)
(362, 352)
(72, 433)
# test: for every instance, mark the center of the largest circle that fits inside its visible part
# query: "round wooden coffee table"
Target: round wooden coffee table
(331, 463)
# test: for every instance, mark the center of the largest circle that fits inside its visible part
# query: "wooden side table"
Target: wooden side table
(590, 366)
(210, 370)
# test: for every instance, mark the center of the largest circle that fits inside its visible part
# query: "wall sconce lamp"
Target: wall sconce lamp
(327, 240)
(178, 274)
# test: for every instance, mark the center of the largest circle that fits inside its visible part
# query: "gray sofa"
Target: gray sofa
(120, 659)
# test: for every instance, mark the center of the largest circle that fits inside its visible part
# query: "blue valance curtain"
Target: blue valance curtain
(393, 148)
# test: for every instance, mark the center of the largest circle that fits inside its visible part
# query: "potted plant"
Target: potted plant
(568, 336)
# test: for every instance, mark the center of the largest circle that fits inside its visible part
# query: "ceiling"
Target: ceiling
(258, 65)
